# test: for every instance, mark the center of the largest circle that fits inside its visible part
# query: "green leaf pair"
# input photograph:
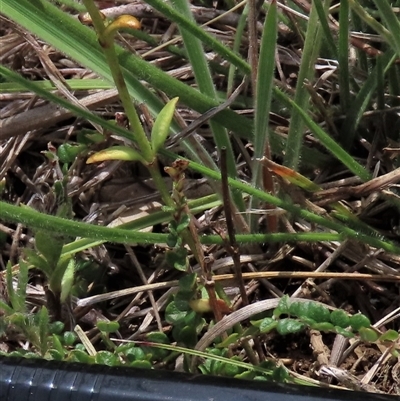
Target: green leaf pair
(159, 134)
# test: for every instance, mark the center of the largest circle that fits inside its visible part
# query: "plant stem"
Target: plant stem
(138, 133)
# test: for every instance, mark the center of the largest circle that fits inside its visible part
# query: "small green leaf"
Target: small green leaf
(289, 326)
(368, 335)
(390, 335)
(187, 336)
(116, 153)
(260, 378)
(23, 354)
(344, 332)
(57, 276)
(57, 344)
(311, 310)
(295, 309)
(49, 246)
(78, 355)
(56, 327)
(69, 338)
(340, 318)
(359, 320)
(188, 282)
(177, 258)
(31, 355)
(268, 365)
(318, 312)
(5, 308)
(39, 262)
(172, 240)
(155, 353)
(80, 347)
(256, 323)
(212, 366)
(15, 303)
(88, 137)
(192, 319)
(107, 327)
(283, 306)
(67, 280)
(324, 326)
(23, 277)
(307, 321)
(17, 296)
(107, 358)
(229, 370)
(141, 364)
(135, 354)
(182, 301)
(173, 315)
(204, 369)
(280, 374)
(183, 224)
(43, 317)
(67, 153)
(161, 127)
(247, 375)
(55, 354)
(267, 325)
(157, 337)
(229, 340)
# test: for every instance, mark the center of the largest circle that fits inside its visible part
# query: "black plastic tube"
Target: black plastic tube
(38, 380)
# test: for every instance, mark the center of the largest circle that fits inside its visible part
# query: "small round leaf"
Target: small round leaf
(340, 318)
(368, 335)
(289, 326)
(359, 320)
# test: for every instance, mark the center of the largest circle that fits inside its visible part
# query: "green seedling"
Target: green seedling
(313, 315)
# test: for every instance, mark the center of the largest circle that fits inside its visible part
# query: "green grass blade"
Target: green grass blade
(361, 101)
(239, 35)
(330, 144)
(265, 75)
(326, 29)
(205, 83)
(392, 22)
(196, 31)
(310, 53)
(343, 56)
(74, 84)
(52, 224)
(264, 91)
(371, 21)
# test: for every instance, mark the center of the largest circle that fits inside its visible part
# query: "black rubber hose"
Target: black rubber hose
(39, 380)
